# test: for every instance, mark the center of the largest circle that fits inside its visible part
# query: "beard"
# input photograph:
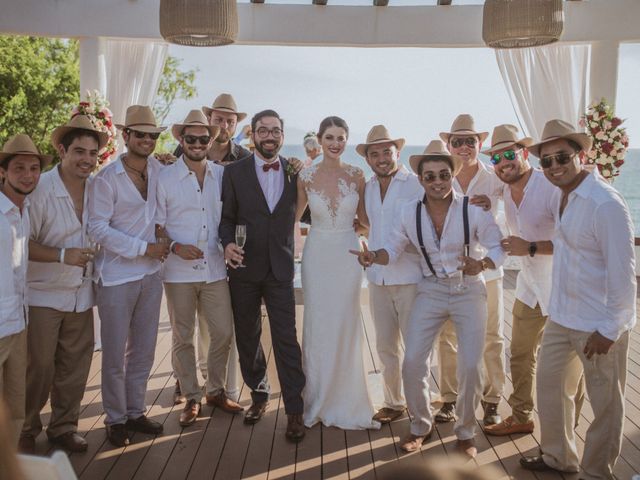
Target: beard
(16, 189)
(267, 154)
(223, 136)
(195, 157)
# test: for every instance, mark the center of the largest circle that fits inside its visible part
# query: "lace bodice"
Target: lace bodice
(333, 199)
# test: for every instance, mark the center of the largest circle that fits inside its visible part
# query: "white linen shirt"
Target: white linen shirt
(403, 188)
(54, 223)
(485, 182)
(444, 254)
(594, 282)
(14, 254)
(534, 220)
(190, 215)
(271, 182)
(123, 223)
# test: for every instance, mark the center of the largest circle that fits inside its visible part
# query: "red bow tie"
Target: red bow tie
(269, 166)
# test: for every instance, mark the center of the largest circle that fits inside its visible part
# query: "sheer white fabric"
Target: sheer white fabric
(545, 83)
(336, 391)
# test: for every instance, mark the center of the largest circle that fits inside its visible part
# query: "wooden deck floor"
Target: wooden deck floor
(220, 446)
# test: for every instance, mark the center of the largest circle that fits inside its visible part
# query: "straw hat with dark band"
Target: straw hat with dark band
(559, 129)
(463, 125)
(378, 134)
(505, 136)
(141, 119)
(79, 122)
(21, 144)
(195, 119)
(224, 103)
(436, 149)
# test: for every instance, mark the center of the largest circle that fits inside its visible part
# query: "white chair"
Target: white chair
(56, 467)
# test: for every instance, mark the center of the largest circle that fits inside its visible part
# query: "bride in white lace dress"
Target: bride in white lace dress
(336, 392)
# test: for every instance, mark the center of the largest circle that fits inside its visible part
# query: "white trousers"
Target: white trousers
(437, 301)
(391, 309)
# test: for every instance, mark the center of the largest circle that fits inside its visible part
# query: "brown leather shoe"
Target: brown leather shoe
(467, 447)
(387, 415)
(295, 428)
(412, 443)
(509, 426)
(224, 403)
(255, 412)
(178, 397)
(27, 444)
(189, 413)
(71, 442)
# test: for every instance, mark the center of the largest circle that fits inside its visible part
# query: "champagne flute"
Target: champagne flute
(87, 270)
(241, 238)
(460, 286)
(203, 246)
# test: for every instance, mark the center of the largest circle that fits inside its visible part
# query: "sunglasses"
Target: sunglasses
(431, 177)
(468, 141)
(507, 155)
(191, 139)
(560, 158)
(263, 132)
(141, 135)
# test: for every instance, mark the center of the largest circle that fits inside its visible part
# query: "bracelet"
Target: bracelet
(61, 257)
(172, 246)
(374, 253)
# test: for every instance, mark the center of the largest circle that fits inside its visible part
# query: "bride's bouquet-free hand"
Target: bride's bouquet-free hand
(610, 140)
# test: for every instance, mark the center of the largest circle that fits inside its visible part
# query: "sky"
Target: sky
(415, 92)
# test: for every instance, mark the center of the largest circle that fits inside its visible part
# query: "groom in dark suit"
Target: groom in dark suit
(260, 192)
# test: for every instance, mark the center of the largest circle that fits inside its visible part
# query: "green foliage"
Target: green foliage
(39, 85)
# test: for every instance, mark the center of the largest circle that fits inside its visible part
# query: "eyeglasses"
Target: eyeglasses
(560, 158)
(431, 177)
(507, 155)
(263, 132)
(191, 139)
(468, 141)
(141, 135)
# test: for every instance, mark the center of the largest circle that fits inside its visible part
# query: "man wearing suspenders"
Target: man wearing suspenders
(449, 233)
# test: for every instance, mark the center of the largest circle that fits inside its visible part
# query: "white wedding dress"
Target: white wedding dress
(336, 392)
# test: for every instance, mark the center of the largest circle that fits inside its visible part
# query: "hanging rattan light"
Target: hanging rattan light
(199, 23)
(521, 23)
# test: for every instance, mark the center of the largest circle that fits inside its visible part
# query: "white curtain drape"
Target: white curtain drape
(132, 70)
(546, 83)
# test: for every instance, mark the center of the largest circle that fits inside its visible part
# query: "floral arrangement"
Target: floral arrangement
(95, 107)
(610, 141)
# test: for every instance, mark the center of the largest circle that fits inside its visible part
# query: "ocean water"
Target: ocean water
(627, 183)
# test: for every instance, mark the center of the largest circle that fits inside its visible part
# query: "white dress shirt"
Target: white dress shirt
(54, 223)
(271, 181)
(403, 188)
(534, 220)
(123, 223)
(485, 235)
(485, 182)
(192, 217)
(594, 282)
(14, 254)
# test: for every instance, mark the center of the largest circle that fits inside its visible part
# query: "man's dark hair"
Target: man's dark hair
(575, 145)
(265, 113)
(424, 160)
(71, 135)
(5, 163)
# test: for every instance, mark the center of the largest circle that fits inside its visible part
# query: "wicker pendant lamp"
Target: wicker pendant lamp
(522, 23)
(199, 23)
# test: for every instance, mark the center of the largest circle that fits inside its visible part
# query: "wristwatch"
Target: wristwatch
(533, 248)
(485, 264)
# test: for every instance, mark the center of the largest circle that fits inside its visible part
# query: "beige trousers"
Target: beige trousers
(435, 303)
(212, 302)
(60, 347)
(390, 309)
(493, 357)
(557, 379)
(13, 371)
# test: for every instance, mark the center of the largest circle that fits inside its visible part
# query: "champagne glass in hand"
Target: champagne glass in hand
(460, 285)
(87, 271)
(241, 238)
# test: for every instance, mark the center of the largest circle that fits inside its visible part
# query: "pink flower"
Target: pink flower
(616, 122)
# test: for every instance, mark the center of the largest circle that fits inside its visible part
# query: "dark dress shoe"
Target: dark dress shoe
(178, 397)
(224, 403)
(117, 435)
(189, 413)
(71, 442)
(447, 413)
(255, 412)
(144, 425)
(535, 463)
(491, 415)
(295, 428)
(27, 444)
